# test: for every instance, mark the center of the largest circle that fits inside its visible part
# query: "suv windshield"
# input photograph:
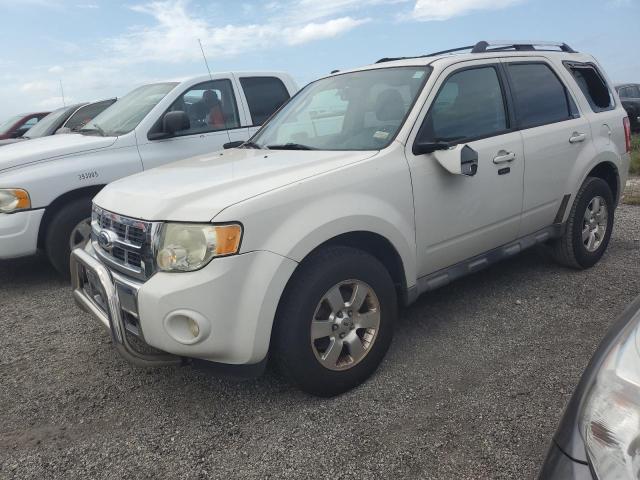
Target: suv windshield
(41, 128)
(125, 115)
(353, 111)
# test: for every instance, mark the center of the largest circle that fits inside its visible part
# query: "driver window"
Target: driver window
(210, 106)
(469, 105)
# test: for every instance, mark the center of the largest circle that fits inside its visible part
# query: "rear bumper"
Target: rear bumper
(19, 233)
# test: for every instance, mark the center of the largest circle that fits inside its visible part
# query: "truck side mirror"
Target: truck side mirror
(172, 122)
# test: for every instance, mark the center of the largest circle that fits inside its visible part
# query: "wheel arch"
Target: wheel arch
(59, 202)
(608, 172)
(376, 245)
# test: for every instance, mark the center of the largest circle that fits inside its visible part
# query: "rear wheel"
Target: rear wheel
(589, 226)
(335, 322)
(69, 228)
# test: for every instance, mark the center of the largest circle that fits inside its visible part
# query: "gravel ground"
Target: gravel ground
(473, 386)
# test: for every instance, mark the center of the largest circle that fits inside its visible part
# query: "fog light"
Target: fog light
(194, 329)
(187, 327)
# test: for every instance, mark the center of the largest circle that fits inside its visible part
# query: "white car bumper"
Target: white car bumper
(233, 302)
(19, 233)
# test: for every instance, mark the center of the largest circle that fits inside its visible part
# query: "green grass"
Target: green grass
(634, 168)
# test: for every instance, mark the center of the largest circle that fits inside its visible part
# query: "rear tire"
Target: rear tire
(588, 228)
(74, 217)
(324, 350)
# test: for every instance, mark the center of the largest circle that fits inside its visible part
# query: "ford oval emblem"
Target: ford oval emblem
(105, 240)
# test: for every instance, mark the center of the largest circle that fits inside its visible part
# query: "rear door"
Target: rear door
(212, 109)
(555, 135)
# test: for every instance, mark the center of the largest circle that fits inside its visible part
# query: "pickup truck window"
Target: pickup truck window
(211, 106)
(85, 114)
(540, 97)
(352, 111)
(128, 112)
(469, 105)
(42, 127)
(4, 127)
(264, 96)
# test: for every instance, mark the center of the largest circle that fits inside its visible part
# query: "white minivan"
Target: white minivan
(46, 185)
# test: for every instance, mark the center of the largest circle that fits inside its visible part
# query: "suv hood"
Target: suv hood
(198, 188)
(47, 148)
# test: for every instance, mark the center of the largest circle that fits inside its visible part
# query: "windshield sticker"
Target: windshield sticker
(381, 135)
(419, 74)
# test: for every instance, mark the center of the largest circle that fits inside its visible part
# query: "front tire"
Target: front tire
(589, 226)
(335, 321)
(70, 227)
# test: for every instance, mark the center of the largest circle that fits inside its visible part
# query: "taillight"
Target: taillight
(627, 133)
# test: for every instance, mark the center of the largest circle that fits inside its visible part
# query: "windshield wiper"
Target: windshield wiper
(251, 145)
(290, 146)
(96, 128)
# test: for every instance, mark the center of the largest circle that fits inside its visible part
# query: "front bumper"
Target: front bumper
(233, 300)
(19, 233)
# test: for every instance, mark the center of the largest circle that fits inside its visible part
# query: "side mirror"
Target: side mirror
(172, 122)
(235, 144)
(459, 160)
(62, 131)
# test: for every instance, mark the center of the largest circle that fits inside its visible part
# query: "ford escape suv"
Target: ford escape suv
(368, 188)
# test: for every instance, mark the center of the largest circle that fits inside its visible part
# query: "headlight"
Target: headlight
(610, 419)
(14, 199)
(186, 247)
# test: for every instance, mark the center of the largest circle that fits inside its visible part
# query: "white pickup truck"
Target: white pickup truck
(46, 185)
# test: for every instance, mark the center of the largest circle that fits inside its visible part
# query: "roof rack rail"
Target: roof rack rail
(495, 46)
(484, 46)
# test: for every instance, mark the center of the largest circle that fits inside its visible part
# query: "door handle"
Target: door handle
(577, 137)
(504, 157)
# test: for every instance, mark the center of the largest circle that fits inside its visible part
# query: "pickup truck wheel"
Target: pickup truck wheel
(70, 227)
(588, 227)
(335, 323)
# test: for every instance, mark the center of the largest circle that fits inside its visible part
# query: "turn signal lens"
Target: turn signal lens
(14, 199)
(228, 239)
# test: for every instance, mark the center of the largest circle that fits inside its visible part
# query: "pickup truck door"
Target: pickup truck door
(212, 108)
(456, 216)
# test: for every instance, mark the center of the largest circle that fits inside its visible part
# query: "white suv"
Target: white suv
(365, 190)
(46, 184)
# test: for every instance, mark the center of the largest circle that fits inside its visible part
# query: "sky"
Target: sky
(100, 49)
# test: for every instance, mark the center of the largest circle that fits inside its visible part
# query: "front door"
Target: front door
(457, 216)
(212, 110)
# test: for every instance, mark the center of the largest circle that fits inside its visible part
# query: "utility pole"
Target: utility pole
(205, 59)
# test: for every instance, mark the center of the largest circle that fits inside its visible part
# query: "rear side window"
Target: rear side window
(593, 86)
(85, 114)
(540, 97)
(264, 95)
(469, 105)
(633, 91)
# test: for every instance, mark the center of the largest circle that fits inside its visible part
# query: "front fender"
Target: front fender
(371, 196)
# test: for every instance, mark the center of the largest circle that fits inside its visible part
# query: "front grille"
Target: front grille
(129, 246)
